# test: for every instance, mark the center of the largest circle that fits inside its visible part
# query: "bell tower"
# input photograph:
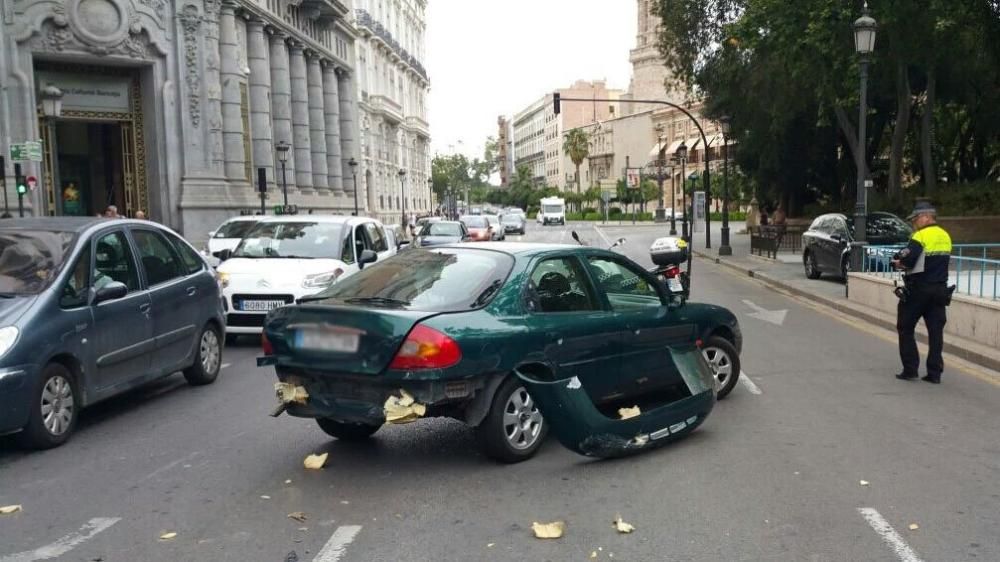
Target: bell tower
(649, 74)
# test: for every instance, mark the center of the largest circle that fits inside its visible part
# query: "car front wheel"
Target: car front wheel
(724, 360)
(54, 409)
(514, 428)
(346, 431)
(812, 268)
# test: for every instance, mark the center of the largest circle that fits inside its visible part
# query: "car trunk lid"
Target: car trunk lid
(341, 338)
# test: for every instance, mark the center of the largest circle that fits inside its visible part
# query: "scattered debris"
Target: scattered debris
(315, 462)
(552, 530)
(621, 526)
(864, 482)
(168, 536)
(796, 472)
(640, 440)
(345, 502)
(8, 509)
(298, 516)
(292, 557)
(403, 408)
(289, 393)
(914, 526)
(265, 497)
(574, 383)
(626, 413)
(490, 545)
(593, 554)
(288, 481)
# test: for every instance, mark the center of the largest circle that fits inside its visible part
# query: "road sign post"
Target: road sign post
(3, 184)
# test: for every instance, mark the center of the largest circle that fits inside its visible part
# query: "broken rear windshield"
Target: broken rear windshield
(444, 280)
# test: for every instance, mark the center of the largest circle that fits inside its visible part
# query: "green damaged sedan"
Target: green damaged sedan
(515, 340)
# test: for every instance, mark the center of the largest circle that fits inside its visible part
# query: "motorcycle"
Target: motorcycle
(668, 254)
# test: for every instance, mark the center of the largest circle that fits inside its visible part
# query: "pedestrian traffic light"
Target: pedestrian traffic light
(22, 186)
(555, 103)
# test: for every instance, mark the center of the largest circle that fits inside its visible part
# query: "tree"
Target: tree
(576, 145)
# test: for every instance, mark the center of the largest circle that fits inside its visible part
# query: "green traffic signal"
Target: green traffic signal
(22, 189)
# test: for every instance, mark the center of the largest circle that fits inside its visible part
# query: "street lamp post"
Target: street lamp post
(430, 194)
(402, 194)
(354, 172)
(864, 44)
(682, 156)
(52, 109)
(724, 248)
(282, 148)
(660, 211)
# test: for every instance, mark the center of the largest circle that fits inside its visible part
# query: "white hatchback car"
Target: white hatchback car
(284, 258)
(229, 234)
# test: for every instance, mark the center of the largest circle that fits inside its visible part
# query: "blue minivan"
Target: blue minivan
(90, 308)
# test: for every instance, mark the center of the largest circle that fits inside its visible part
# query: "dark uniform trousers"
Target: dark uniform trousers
(925, 301)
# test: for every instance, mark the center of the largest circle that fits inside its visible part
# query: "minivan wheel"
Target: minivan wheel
(207, 358)
(724, 360)
(514, 428)
(812, 268)
(346, 431)
(54, 409)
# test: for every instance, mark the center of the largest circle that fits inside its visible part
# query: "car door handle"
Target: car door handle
(145, 307)
(192, 291)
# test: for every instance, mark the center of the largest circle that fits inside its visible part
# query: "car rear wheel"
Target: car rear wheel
(514, 428)
(54, 410)
(346, 431)
(812, 268)
(724, 360)
(207, 358)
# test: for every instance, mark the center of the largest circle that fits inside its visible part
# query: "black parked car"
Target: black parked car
(90, 308)
(826, 246)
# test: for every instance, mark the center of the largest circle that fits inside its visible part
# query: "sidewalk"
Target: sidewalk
(787, 274)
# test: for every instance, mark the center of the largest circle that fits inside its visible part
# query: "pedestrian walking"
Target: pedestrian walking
(112, 212)
(925, 292)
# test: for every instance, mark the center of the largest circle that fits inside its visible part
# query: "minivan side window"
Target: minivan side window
(159, 259)
(76, 291)
(113, 259)
(377, 237)
(192, 261)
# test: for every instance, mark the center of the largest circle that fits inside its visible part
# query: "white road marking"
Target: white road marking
(65, 544)
(776, 317)
(226, 365)
(889, 535)
(170, 465)
(745, 381)
(562, 236)
(337, 545)
(601, 234)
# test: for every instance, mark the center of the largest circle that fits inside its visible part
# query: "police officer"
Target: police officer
(925, 294)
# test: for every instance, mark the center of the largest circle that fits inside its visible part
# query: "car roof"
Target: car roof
(328, 219)
(76, 225)
(244, 218)
(520, 248)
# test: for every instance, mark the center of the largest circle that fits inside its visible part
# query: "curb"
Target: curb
(959, 351)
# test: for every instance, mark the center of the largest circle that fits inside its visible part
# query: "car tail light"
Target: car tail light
(426, 348)
(265, 344)
(672, 272)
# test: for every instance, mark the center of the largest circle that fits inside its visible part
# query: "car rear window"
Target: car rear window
(443, 280)
(475, 222)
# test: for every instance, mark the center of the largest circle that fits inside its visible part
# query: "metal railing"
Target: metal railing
(974, 268)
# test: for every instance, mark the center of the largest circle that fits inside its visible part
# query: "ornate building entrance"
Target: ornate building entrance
(95, 151)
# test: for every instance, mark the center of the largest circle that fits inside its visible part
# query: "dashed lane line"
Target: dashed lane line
(889, 535)
(338, 543)
(66, 543)
(226, 365)
(749, 384)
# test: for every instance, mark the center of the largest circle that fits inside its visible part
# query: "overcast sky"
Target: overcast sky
(487, 59)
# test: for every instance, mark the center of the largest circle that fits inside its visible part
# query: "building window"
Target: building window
(245, 117)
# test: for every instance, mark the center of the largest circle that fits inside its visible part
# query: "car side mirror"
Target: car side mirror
(225, 255)
(211, 234)
(402, 243)
(112, 291)
(367, 256)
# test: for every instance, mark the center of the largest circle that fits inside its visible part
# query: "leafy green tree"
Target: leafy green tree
(576, 145)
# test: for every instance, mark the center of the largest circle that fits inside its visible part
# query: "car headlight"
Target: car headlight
(321, 280)
(8, 337)
(223, 278)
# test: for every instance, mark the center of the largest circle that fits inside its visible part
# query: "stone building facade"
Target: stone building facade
(392, 89)
(171, 106)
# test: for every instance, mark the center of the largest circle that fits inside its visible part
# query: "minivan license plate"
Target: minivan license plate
(338, 342)
(260, 306)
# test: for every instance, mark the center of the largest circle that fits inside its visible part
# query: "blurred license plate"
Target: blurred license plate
(674, 284)
(261, 306)
(327, 341)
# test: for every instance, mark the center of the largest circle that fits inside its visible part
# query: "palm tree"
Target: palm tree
(576, 145)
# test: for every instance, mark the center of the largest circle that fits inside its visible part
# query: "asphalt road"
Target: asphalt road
(774, 474)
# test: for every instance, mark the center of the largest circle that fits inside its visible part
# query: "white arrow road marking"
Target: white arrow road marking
(601, 234)
(889, 535)
(776, 317)
(745, 381)
(337, 545)
(65, 544)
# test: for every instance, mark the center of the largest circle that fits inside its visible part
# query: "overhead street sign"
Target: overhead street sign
(28, 151)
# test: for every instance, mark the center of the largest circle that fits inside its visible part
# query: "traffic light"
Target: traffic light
(555, 103)
(22, 187)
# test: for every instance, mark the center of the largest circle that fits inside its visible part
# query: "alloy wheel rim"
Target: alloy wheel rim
(722, 365)
(522, 422)
(210, 355)
(57, 405)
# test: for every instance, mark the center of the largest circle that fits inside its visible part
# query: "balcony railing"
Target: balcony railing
(365, 20)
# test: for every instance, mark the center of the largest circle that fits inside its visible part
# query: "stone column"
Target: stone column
(213, 90)
(331, 104)
(232, 120)
(260, 101)
(300, 116)
(317, 123)
(281, 100)
(348, 123)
